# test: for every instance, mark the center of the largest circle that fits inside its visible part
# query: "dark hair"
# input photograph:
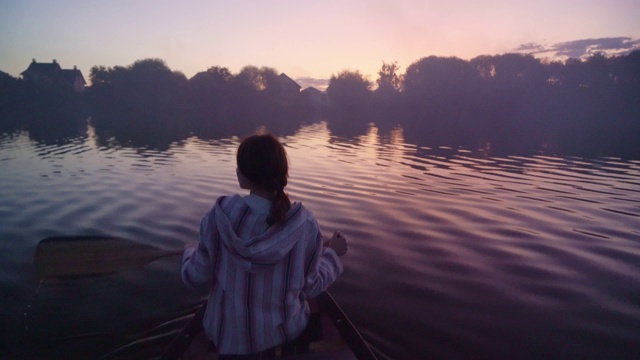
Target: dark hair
(263, 160)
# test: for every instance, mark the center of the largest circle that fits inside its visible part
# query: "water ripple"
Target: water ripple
(454, 253)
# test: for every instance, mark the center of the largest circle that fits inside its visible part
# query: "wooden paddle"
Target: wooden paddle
(93, 255)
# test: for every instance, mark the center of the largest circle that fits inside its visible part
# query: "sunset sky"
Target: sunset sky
(312, 39)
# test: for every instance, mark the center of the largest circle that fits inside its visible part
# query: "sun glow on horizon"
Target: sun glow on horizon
(303, 40)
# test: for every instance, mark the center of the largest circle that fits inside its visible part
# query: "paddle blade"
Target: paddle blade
(92, 255)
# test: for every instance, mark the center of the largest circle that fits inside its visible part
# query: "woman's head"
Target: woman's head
(262, 160)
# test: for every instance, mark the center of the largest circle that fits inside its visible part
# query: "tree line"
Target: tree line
(501, 104)
(504, 104)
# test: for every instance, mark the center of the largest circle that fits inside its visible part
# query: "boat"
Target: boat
(330, 335)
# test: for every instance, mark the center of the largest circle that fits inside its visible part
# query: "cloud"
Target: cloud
(305, 82)
(530, 48)
(583, 48)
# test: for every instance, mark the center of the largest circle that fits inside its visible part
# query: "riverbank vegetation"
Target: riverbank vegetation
(500, 104)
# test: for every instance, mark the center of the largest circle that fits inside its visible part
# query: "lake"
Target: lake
(454, 253)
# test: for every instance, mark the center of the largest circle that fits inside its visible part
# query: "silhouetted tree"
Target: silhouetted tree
(436, 83)
(387, 99)
(349, 91)
(440, 93)
(209, 98)
(251, 78)
(12, 97)
(143, 100)
(513, 109)
(510, 103)
(246, 101)
(626, 70)
(388, 78)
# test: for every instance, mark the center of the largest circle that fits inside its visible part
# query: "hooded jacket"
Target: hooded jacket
(259, 276)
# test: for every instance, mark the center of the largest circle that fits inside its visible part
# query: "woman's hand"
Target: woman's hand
(338, 243)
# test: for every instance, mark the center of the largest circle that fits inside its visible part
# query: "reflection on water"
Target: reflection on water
(454, 254)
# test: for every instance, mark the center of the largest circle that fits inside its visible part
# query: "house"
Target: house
(317, 101)
(315, 97)
(52, 73)
(288, 88)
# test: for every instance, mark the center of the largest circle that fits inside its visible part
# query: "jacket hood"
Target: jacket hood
(263, 250)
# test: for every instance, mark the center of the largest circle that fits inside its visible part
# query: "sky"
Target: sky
(305, 39)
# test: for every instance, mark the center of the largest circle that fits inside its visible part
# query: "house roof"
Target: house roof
(53, 71)
(311, 89)
(288, 81)
(43, 68)
(71, 75)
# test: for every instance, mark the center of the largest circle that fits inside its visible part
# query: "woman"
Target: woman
(261, 256)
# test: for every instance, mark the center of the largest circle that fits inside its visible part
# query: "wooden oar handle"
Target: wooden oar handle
(93, 255)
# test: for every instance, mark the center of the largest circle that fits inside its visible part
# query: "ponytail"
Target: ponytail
(279, 208)
(263, 160)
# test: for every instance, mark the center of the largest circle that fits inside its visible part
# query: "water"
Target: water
(453, 254)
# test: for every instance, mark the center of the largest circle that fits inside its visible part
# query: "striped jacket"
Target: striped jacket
(259, 276)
